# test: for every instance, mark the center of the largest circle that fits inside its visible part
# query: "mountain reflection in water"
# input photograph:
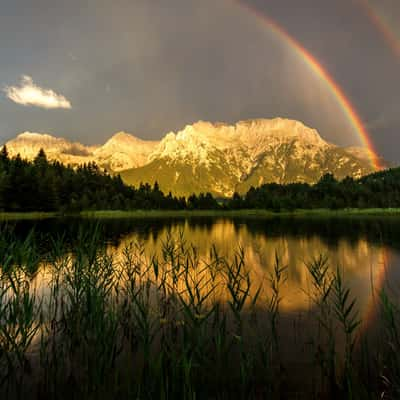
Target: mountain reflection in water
(363, 249)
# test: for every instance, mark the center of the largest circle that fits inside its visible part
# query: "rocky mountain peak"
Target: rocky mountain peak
(252, 136)
(206, 156)
(37, 137)
(223, 158)
(123, 138)
(280, 129)
(28, 144)
(124, 151)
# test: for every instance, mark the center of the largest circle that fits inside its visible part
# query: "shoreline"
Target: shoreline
(301, 213)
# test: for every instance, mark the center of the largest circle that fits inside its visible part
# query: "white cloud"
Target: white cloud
(29, 94)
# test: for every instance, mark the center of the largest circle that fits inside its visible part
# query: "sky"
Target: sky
(85, 69)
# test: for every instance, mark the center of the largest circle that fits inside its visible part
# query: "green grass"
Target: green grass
(323, 213)
(395, 212)
(26, 215)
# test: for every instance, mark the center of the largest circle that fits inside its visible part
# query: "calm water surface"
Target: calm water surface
(367, 250)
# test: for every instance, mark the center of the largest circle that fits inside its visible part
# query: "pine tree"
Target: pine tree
(4, 154)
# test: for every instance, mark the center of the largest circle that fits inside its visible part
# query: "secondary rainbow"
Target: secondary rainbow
(379, 22)
(339, 94)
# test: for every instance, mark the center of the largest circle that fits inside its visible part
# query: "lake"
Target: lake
(364, 251)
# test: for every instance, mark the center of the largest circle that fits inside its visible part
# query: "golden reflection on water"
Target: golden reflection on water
(361, 263)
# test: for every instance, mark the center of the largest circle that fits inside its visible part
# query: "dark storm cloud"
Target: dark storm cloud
(342, 36)
(153, 66)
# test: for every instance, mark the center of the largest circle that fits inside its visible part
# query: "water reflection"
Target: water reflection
(361, 262)
(364, 249)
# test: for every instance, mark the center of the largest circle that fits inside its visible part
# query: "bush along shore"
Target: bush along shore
(79, 321)
(44, 186)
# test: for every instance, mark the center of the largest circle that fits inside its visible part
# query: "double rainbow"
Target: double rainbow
(348, 108)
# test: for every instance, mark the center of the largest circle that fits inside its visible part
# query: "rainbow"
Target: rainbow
(379, 22)
(340, 96)
(376, 286)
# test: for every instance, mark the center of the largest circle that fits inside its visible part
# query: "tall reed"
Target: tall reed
(173, 325)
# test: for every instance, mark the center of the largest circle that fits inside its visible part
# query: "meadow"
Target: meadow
(247, 213)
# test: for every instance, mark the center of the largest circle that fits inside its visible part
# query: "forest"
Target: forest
(377, 190)
(43, 185)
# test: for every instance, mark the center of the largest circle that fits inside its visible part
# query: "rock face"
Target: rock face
(28, 144)
(123, 151)
(222, 158)
(211, 157)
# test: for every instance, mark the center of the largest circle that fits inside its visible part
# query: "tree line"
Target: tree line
(377, 190)
(41, 185)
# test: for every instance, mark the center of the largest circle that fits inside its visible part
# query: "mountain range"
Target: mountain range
(210, 157)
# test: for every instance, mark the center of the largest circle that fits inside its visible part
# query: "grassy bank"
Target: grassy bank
(322, 213)
(27, 215)
(378, 212)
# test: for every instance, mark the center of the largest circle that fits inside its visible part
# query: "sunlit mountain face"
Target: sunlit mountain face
(222, 159)
(122, 151)
(211, 157)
